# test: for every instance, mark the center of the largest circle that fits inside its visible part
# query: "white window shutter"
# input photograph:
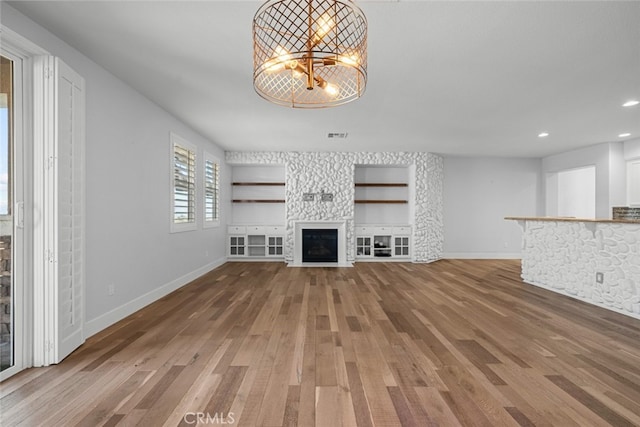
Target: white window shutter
(59, 197)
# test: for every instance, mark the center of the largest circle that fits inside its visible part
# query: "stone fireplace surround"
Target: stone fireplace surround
(333, 172)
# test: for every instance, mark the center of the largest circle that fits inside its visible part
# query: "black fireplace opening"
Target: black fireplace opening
(319, 245)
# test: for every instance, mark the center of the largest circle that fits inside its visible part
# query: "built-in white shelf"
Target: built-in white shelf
(382, 194)
(255, 242)
(383, 243)
(258, 194)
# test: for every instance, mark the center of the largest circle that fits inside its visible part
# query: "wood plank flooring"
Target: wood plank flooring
(455, 342)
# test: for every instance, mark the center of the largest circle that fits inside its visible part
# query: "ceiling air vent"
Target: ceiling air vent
(337, 135)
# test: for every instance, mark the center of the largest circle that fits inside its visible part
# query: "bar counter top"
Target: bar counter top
(571, 219)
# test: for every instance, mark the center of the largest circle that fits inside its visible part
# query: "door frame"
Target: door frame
(21, 51)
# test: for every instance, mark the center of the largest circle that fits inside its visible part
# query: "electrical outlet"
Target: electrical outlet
(206, 254)
(111, 289)
(599, 277)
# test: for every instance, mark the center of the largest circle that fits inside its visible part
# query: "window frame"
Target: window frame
(208, 157)
(15, 81)
(178, 227)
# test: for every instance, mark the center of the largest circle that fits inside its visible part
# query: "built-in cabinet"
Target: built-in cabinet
(255, 241)
(380, 242)
(383, 212)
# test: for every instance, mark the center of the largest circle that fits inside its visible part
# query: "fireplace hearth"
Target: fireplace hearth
(319, 245)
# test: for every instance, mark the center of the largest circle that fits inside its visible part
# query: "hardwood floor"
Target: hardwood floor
(380, 344)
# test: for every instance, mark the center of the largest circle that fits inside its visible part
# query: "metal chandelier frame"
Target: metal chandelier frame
(310, 53)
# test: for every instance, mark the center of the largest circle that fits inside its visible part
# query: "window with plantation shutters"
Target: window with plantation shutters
(183, 209)
(211, 191)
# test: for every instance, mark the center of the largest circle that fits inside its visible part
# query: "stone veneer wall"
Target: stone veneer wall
(564, 256)
(333, 172)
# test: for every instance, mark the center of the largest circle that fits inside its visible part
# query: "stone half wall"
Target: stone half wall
(333, 172)
(565, 256)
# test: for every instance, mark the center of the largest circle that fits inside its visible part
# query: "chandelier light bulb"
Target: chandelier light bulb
(282, 54)
(277, 62)
(331, 89)
(352, 59)
(325, 24)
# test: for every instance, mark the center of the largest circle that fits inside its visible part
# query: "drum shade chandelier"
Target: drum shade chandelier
(309, 53)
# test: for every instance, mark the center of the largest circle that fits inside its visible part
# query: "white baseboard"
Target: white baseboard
(481, 255)
(102, 322)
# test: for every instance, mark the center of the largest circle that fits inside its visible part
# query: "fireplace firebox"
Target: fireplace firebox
(319, 245)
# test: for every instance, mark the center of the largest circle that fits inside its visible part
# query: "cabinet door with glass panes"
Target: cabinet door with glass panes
(401, 246)
(363, 246)
(237, 245)
(275, 246)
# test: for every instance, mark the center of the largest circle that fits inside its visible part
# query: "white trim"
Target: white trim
(44, 299)
(482, 255)
(102, 322)
(19, 45)
(341, 226)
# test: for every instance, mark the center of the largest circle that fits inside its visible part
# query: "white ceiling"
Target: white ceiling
(457, 78)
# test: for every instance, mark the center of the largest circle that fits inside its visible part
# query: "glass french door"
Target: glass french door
(10, 327)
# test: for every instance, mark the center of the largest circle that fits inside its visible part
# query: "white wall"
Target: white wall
(632, 149)
(608, 161)
(632, 157)
(478, 194)
(577, 192)
(617, 177)
(128, 199)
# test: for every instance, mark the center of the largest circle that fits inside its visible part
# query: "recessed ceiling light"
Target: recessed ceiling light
(631, 103)
(543, 134)
(624, 135)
